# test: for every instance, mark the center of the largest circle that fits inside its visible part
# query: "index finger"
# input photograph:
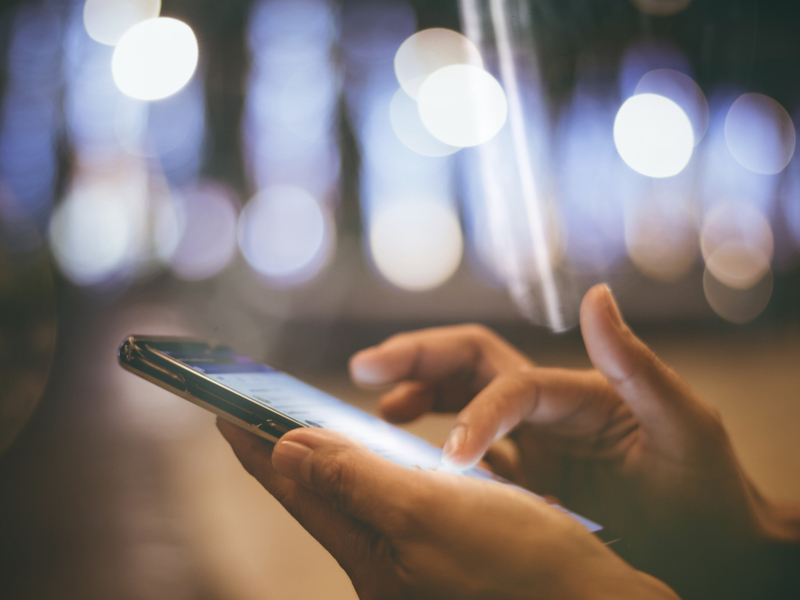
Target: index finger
(466, 351)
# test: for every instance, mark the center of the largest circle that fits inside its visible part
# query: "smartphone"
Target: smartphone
(269, 403)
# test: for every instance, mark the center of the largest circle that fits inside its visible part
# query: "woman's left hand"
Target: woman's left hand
(405, 533)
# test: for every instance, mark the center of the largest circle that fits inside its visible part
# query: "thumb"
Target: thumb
(355, 480)
(656, 396)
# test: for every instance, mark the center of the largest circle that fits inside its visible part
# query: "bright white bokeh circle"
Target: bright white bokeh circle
(429, 50)
(682, 90)
(155, 58)
(653, 135)
(462, 105)
(416, 244)
(107, 20)
(760, 134)
(408, 127)
(285, 234)
(90, 235)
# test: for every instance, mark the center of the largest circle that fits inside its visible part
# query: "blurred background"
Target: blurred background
(302, 178)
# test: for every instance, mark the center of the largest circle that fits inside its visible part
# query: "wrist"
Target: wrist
(615, 579)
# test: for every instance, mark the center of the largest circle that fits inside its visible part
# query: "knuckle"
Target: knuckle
(480, 337)
(333, 476)
(525, 376)
(405, 516)
(478, 332)
(397, 338)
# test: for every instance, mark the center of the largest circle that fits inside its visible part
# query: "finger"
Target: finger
(341, 535)
(571, 402)
(655, 395)
(431, 355)
(349, 476)
(407, 401)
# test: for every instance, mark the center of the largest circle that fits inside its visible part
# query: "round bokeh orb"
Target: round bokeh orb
(462, 105)
(106, 21)
(653, 135)
(760, 134)
(285, 234)
(155, 58)
(429, 50)
(416, 244)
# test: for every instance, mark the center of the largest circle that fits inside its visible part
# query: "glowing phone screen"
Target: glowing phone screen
(315, 408)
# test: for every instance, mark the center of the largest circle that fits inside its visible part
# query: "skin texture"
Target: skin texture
(626, 444)
(403, 533)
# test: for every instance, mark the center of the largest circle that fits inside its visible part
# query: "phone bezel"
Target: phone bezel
(137, 355)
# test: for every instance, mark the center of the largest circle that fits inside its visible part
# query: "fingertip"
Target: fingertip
(457, 454)
(366, 368)
(292, 460)
(605, 334)
(600, 307)
(457, 464)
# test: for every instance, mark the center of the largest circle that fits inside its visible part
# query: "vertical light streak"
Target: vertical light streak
(497, 210)
(533, 207)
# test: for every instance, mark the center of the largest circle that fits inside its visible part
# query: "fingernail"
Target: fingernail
(293, 460)
(611, 305)
(366, 372)
(454, 442)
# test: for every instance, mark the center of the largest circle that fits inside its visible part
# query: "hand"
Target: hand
(627, 444)
(403, 533)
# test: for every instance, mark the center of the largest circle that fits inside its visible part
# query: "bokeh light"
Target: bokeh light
(653, 135)
(661, 246)
(155, 58)
(722, 178)
(429, 50)
(594, 185)
(371, 32)
(296, 26)
(462, 105)
(196, 233)
(107, 20)
(30, 115)
(91, 235)
(285, 234)
(308, 99)
(416, 244)
(648, 55)
(737, 305)
(683, 91)
(760, 134)
(408, 127)
(737, 244)
(288, 128)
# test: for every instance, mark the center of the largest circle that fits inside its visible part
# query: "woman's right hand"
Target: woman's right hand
(626, 444)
